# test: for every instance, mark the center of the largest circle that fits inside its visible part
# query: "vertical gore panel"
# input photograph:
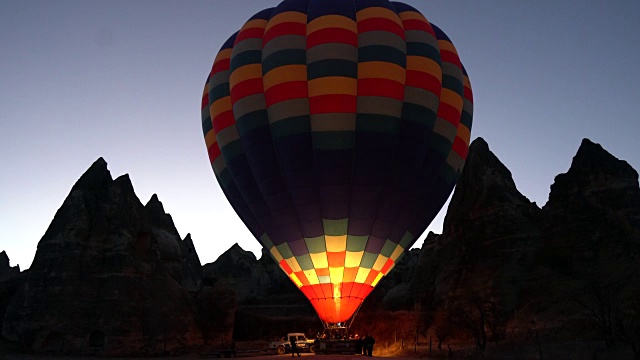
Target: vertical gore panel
(420, 105)
(217, 92)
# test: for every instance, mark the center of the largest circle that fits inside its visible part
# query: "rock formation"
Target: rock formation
(6, 270)
(113, 277)
(524, 270)
(10, 280)
(110, 277)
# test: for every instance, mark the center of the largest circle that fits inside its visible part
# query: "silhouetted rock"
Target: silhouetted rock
(107, 277)
(240, 270)
(268, 303)
(529, 269)
(593, 214)
(10, 280)
(6, 270)
(490, 235)
(113, 277)
(192, 273)
(591, 233)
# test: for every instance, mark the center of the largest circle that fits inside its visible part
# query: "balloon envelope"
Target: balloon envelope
(337, 130)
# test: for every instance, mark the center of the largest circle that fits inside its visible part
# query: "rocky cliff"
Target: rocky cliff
(111, 276)
(505, 269)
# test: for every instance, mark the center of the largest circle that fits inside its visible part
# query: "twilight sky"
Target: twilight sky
(119, 79)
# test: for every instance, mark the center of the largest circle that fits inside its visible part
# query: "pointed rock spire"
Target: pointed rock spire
(485, 183)
(593, 170)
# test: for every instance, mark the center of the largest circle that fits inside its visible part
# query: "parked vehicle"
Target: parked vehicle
(283, 345)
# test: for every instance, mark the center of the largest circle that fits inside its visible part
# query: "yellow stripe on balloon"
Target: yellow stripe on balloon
(255, 23)
(467, 83)
(251, 71)
(378, 12)
(380, 261)
(293, 264)
(336, 273)
(464, 133)
(284, 74)
(352, 259)
(276, 254)
(223, 55)
(377, 279)
(210, 138)
(412, 15)
(447, 45)
(381, 70)
(363, 273)
(396, 253)
(312, 277)
(333, 85)
(425, 65)
(319, 260)
(295, 279)
(220, 106)
(332, 21)
(286, 17)
(452, 98)
(336, 243)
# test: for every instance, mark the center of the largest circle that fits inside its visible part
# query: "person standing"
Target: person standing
(358, 345)
(367, 344)
(372, 341)
(294, 346)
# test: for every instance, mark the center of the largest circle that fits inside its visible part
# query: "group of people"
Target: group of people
(366, 345)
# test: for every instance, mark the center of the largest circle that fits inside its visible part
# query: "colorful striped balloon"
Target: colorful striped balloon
(337, 130)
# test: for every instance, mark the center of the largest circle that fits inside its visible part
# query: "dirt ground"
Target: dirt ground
(557, 351)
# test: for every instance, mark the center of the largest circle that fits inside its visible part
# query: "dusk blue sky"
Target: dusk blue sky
(123, 80)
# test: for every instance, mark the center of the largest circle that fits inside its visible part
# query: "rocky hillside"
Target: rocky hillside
(112, 276)
(504, 269)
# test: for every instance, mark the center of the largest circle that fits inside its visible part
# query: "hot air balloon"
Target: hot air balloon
(337, 129)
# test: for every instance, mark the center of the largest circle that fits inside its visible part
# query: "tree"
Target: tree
(616, 318)
(472, 316)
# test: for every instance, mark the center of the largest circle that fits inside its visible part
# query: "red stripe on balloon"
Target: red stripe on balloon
(332, 35)
(214, 152)
(335, 259)
(413, 24)
(286, 91)
(285, 267)
(303, 278)
(449, 113)
(223, 121)
(322, 272)
(221, 65)
(422, 80)
(380, 24)
(246, 88)
(324, 104)
(381, 87)
(308, 292)
(346, 288)
(327, 289)
(468, 94)
(288, 28)
(372, 276)
(355, 290)
(387, 266)
(450, 57)
(250, 33)
(460, 147)
(205, 101)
